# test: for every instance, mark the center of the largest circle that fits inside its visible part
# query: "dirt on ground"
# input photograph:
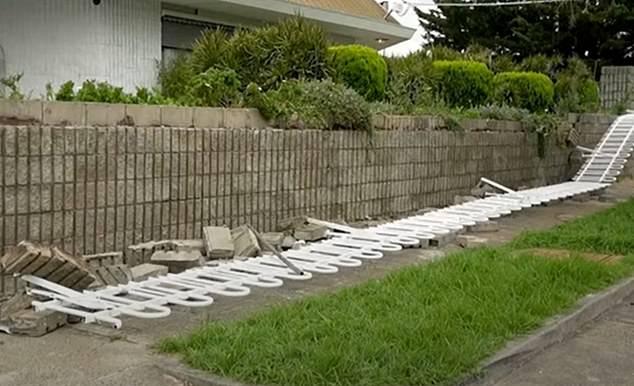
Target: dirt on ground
(85, 355)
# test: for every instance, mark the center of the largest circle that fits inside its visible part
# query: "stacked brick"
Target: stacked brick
(47, 263)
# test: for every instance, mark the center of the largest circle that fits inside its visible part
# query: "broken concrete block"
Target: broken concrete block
(113, 274)
(32, 323)
(171, 245)
(291, 223)
(482, 190)
(218, 242)
(467, 241)
(424, 211)
(104, 259)
(178, 261)
(288, 241)
(146, 271)
(489, 226)
(457, 200)
(275, 239)
(51, 264)
(18, 302)
(298, 244)
(245, 242)
(311, 232)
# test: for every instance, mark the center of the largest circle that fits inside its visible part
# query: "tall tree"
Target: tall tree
(599, 31)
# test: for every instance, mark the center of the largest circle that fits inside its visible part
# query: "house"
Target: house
(122, 41)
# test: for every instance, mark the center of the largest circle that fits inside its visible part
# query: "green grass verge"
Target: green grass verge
(609, 231)
(419, 326)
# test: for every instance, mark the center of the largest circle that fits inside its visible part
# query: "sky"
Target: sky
(414, 44)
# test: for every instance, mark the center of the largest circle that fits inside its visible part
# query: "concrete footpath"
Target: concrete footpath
(86, 355)
(600, 355)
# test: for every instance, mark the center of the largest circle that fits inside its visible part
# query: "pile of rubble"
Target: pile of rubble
(110, 269)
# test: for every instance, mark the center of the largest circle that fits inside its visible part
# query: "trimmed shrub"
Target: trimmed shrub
(360, 68)
(462, 83)
(215, 87)
(312, 105)
(527, 90)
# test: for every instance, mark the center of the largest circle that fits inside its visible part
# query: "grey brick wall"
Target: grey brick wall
(101, 189)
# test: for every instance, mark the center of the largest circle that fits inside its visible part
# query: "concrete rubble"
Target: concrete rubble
(489, 226)
(245, 242)
(458, 200)
(178, 261)
(113, 274)
(275, 239)
(310, 232)
(50, 263)
(171, 245)
(31, 323)
(146, 271)
(288, 241)
(468, 241)
(218, 242)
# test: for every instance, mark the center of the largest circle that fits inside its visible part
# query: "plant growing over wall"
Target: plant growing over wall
(462, 83)
(312, 105)
(409, 81)
(527, 90)
(360, 68)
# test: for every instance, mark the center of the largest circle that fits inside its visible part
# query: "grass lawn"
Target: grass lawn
(423, 325)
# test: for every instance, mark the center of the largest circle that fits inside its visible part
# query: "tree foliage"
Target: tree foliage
(600, 31)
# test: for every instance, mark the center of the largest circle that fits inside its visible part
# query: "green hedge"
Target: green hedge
(462, 83)
(528, 90)
(360, 68)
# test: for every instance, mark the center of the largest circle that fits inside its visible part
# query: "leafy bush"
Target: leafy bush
(575, 89)
(360, 68)
(211, 49)
(409, 81)
(215, 87)
(548, 65)
(312, 105)
(528, 90)
(175, 77)
(462, 83)
(66, 92)
(444, 53)
(91, 91)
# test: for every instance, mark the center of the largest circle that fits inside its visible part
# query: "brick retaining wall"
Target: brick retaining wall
(101, 189)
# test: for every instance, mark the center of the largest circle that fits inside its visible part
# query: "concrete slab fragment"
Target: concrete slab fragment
(245, 242)
(310, 232)
(35, 324)
(178, 261)
(146, 271)
(218, 242)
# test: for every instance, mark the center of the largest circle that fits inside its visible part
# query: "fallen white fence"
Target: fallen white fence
(347, 247)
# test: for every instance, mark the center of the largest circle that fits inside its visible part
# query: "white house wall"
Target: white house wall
(118, 41)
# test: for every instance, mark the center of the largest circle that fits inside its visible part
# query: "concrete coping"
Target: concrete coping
(111, 114)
